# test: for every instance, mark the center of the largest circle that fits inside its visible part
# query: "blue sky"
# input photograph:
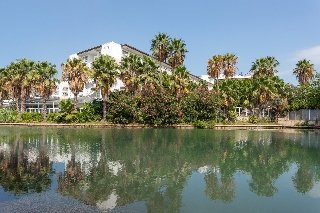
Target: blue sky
(52, 30)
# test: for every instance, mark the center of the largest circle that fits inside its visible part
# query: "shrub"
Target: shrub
(200, 105)
(31, 117)
(66, 106)
(56, 117)
(90, 112)
(8, 116)
(200, 124)
(253, 119)
(122, 108)
(159, 107)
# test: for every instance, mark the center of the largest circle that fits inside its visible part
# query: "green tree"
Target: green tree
(75, 72)
(264, 67)
(304, 71)
(177, 52)
(45, 82)
(130, 72)
(20, 79)
(160, 47)
(215, 67)
(3, 85)
(105, 73)
(229, 64)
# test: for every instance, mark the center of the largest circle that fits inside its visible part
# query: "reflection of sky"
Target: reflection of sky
(315, 191)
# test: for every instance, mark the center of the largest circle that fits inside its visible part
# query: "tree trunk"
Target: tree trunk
(44, 109)
(75, 102)
(17, 105)
(104, 107)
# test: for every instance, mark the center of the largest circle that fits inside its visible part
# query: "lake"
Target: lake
(159, 170)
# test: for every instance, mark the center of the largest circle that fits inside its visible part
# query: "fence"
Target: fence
(305, 115)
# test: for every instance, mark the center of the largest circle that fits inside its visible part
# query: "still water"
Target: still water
(159, 170)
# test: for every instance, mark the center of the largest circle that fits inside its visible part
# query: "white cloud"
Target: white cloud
(312, 54)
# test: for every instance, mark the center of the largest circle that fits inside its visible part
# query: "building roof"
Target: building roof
(87, 50)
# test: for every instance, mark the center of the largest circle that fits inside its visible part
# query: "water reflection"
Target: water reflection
(116, 167)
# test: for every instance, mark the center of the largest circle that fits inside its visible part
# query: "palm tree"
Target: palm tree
(46, 83)
(177, 53)
(105, 73)
(20, 80)
(304, 71)
(160, 47)
(229, 64)
(75, 72)
(264, 67)
(215, 66)
(150, 75)
(180, 79)
(3, 84)
(130, 71)
(264, 90)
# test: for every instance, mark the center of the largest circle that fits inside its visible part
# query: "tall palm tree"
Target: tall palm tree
(75, 72)
(215, 66)
(264, 67)
(304, 71)
(105, 73)
(264, 90)
(130, 71)
(229, 64)
(46, 83)
(177, 52)
(3, 85)
(160, 47)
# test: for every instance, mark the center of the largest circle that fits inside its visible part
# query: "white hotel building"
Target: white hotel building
(117, 51)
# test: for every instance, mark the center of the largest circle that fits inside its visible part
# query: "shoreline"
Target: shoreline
(177, 126)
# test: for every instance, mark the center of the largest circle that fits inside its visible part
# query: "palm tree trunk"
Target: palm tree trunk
(17, 105)
(75, 102)
(104, 107)
(44, 109)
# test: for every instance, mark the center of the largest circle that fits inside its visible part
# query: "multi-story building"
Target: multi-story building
(117, 51)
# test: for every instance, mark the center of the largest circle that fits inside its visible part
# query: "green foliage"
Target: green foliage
(8, 116)
(253, 119)
(31, 117)
(122, 108)
(159, 107)
(66, 106)
(200, 105)
(90, 112)
(200, 124)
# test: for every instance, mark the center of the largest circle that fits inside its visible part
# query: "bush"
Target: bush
(90, 112)
(200, 124)
(253, 119)
(8, 116)
(66, 106)
(31, 117)
(200, 105)
(159, 107)
(122, 108)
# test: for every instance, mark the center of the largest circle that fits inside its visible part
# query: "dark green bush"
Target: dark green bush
(159, 107)
(31, 117)
(122, 108)
(200, 105)
(89, 112)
